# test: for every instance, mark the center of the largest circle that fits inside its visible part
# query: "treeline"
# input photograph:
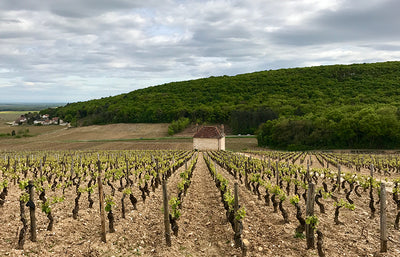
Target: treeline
(287, 96)
(347, 127)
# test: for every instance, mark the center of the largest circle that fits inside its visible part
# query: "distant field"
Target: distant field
(107, 137)
(6, 116)
(28, 106)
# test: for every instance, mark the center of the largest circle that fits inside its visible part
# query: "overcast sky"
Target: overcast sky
(75, 50)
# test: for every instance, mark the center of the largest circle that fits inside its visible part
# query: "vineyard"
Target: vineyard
(189, 203)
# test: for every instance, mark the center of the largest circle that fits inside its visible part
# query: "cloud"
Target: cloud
(72, 50)
(355, 22)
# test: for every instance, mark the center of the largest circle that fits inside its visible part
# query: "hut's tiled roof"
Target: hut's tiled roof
(208, 132)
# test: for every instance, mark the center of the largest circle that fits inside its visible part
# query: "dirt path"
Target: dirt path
(204, 229)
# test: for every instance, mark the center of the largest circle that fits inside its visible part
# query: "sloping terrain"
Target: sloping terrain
(108, 137)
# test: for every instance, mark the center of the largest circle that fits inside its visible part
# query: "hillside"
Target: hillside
(331, 93)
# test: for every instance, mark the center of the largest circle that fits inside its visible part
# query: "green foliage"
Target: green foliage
(23, 184)
(174, 203)
(372, 126)
(276, 190)
(224, 182)
(282, 196)
(3, 184)
(343, 203)
(24, 197)
(313, 221)
(127, 191)
(229, 199)
(336, 106)
(19, 134)
(109, 203)
(57, 199)
(248, 121)
(326, 195)
(240, 214)
(294, 200)
(299, 235)
(184, 175)
(46, 206)
(178, 125)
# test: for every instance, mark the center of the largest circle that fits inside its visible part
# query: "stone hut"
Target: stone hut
(209, 138)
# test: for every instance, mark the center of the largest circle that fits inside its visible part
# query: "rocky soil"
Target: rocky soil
(203, 228)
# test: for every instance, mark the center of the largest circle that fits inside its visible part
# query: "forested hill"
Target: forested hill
(245, 101)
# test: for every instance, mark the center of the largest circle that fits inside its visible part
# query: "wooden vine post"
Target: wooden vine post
(371, 170)
(339, 175)
(27, 161)
(166, 214)
(41, 168)
(383, 223)
(309, 213)
(32, 208)
(72, 166)
(127, 168)
(277, 173)
(102, 210)
(235, 221)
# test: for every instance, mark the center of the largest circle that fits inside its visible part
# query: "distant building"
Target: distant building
(55, 120)
(45, 120)
(21, 120)
(209, 138)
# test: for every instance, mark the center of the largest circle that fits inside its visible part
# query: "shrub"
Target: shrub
(178, 125)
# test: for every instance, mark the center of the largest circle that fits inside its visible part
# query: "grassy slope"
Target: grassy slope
(108, 137)
(8, 116)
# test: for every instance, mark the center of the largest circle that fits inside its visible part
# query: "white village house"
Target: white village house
(209, 138)
(43, 120)
(21, 120)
